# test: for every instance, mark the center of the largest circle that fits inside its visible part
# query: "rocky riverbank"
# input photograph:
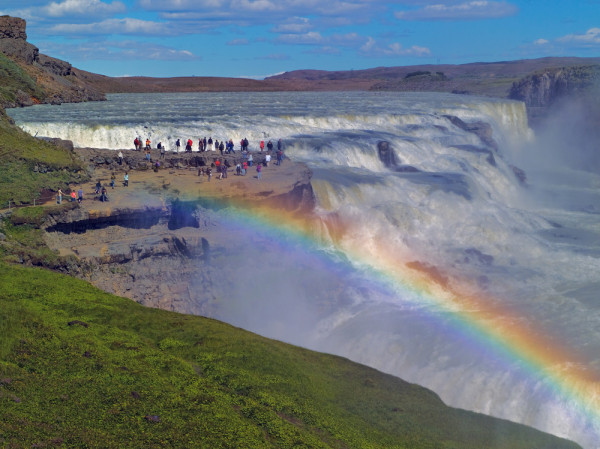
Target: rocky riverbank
(156, 237)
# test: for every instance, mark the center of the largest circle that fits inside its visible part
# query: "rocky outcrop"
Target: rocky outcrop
(55, 66)
(12, 28)
(480, 129)
(13, 40)
(543, 89)
(165, 240)
(38, 78)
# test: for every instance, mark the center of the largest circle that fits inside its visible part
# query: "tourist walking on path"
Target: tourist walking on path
(250, 159)
(279, 157)
(112, 180)
(209, 173)
(126, 180)
(267, 159)
(59, 196)
(73, 196)
(259, 171)
(80, 195)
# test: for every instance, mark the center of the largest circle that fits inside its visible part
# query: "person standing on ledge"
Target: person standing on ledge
(59, 196)
(121, 157)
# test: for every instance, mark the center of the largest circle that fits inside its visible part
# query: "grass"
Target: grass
(29, 165)
(82, 368)
(13, 79)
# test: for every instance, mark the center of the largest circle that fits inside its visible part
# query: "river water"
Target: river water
(448, 269)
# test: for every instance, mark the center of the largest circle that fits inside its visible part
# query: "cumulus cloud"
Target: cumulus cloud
(471, 10)
(310, 38)
(113, 26)
(296, 25)
(265, 11)
(87, 8)
(119, 50)
(541, 41)
(590, 38)
(371, 48)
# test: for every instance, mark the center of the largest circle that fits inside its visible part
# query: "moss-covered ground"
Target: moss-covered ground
(82, 368)
(29, 166)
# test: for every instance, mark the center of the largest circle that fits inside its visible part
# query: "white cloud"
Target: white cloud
(590, 37)
(88, 8)
(310, 38)
(541, 41)
(113, 26)
(471, 10)
(119, 50)
(370, 48)
(296, 25)
(267, 11)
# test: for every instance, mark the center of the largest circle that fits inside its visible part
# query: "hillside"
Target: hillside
(492, 79)
(28, 77)
(81, 368)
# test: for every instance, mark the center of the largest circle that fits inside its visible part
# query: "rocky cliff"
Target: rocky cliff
(169, 224)
(29, 77)
(544, 88)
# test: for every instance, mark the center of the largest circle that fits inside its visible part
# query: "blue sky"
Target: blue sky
(258, 38)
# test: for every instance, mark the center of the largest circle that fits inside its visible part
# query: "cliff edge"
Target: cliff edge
(29, 77)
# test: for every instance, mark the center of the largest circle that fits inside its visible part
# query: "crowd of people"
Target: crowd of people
(204, 144)
(219, 165)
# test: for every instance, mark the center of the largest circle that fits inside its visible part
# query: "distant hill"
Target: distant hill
(485, 78)
(29, 77)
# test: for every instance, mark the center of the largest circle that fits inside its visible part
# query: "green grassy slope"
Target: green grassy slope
(29, 165)
(82, 368)
(14, 81)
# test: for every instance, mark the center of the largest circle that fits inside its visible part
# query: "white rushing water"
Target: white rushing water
(453, 199)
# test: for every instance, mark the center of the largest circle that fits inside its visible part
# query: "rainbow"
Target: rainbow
(485, 321)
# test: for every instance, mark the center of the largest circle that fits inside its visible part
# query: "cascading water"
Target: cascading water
(452, 208)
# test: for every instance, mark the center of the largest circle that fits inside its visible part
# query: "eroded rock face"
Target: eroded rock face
(545, 88)
(55, 66)
(12, 28)
(13, 40)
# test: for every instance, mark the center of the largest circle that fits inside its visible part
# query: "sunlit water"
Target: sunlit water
(462, 209)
